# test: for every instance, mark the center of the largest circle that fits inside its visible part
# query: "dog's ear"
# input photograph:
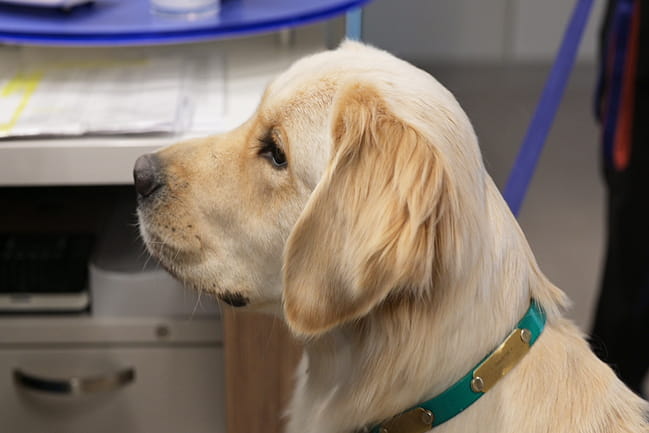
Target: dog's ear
(369, 227)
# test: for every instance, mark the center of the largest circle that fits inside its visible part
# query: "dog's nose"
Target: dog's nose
(146, 174)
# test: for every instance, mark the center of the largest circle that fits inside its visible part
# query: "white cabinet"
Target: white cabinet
(158, 376)
(139, 360)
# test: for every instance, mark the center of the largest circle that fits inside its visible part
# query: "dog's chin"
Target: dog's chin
(182, 264)
(233, 298)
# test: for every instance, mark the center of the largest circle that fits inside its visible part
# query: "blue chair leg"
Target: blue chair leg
(354, 24)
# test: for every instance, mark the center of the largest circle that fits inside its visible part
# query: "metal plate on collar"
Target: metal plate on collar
(501, 361)
(417, 420)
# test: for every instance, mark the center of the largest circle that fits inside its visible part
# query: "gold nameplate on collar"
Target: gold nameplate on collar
(417, 420)
(501, 361)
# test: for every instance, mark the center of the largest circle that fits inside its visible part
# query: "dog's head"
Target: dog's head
(341, 191)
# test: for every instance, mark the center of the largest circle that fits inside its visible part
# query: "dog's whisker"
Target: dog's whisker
(197, 303)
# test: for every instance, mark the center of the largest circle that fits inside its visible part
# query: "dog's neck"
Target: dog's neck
(419, 346)
(415, 364)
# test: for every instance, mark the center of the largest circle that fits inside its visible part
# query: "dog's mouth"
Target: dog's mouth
(234, 299)
(168, 255)
(174, 259)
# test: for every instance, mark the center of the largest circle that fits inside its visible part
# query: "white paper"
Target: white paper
(207, 95)
(114, 95)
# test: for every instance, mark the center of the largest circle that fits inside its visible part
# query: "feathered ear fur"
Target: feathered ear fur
(370, 225)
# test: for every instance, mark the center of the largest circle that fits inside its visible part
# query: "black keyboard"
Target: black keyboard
(44, 263)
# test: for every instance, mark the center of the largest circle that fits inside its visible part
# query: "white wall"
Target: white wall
(475, 30)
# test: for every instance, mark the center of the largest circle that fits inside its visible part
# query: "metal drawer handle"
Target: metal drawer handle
(75, 385)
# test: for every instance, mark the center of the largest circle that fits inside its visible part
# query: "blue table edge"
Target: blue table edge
(353, 31)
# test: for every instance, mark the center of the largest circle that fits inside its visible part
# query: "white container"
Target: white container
(125, 281)
(189, 8)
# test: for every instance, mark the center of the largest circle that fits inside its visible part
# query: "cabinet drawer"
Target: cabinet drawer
(171, 389)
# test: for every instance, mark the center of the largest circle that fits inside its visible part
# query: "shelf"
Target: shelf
(84, 329)
(132, 22)
(250, 64)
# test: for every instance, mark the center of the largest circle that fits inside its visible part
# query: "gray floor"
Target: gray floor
(563, 214)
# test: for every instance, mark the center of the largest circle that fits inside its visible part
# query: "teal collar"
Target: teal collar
(471, 387)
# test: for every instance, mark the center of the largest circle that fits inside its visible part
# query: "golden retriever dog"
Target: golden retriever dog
(355, 205)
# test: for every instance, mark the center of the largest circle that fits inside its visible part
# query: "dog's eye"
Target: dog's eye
(271, 151)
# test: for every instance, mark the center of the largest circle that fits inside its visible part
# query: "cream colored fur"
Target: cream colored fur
(402, 265)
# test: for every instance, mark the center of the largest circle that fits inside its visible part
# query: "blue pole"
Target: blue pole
(354, 24)
(539, 128)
